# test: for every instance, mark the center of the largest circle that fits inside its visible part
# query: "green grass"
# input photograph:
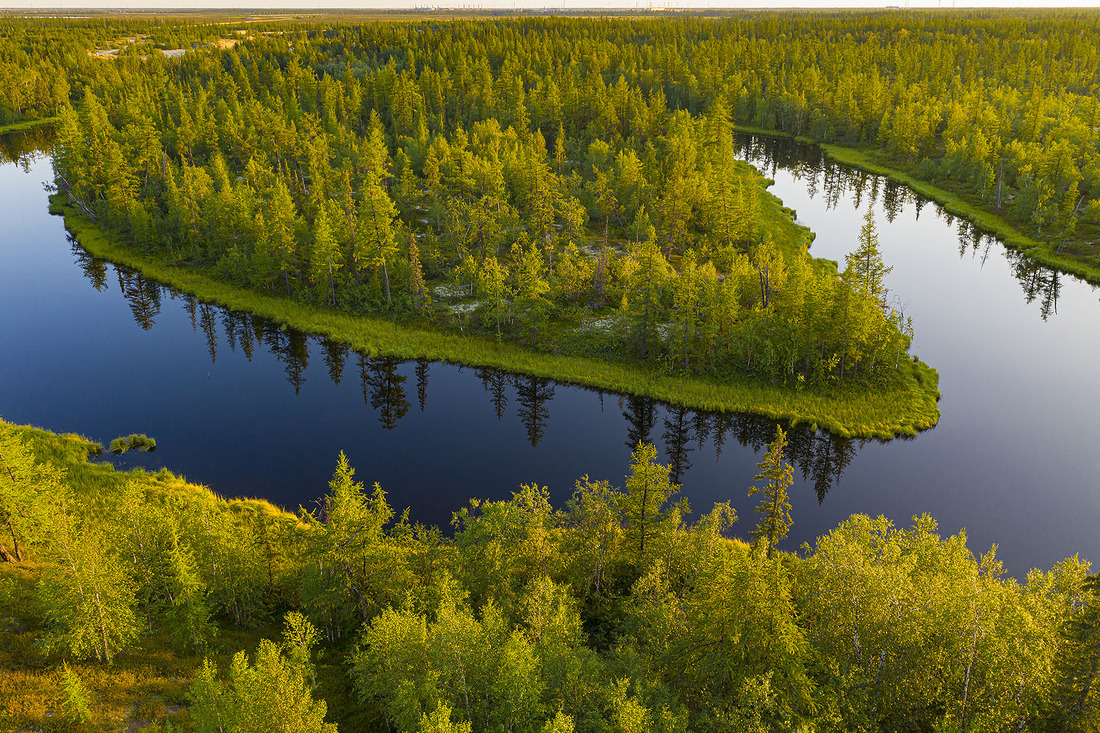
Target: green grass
(1083, 262)
(27, 125)
(902, 406)
(133, 442)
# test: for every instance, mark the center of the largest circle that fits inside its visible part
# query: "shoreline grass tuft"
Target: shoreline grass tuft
(133, 442)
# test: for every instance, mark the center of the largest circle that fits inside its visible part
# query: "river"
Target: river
(250, 409)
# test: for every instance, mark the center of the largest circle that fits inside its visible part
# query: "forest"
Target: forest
(999, 107)
(455, 181)
(566, 186)
(138, 599)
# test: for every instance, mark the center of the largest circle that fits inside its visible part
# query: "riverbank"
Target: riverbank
(954, 203)
(903, 407)
(27, 125)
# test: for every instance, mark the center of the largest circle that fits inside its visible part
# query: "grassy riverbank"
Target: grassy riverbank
(903, 405)
(27, 125)
(1075, 259)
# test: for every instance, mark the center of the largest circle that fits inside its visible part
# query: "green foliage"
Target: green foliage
(1077, 702)
(189, 613)
(312, 202)
(29, 490)
(76, 703)
(648, 488)
(272, 692)
(777, 475)
(87, 595)
(529, 619)
(133, 442)
(906, 406)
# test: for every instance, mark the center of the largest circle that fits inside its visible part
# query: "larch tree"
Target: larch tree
(325, 257)
(377, 212)
(87, 595)
(648, 488)
(775, 508)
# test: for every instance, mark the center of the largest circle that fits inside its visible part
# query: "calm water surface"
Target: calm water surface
(252, 410)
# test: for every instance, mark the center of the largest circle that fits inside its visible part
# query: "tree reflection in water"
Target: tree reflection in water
(809, 165)
(822, 458)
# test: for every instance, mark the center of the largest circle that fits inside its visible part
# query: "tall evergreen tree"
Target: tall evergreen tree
(775, 508)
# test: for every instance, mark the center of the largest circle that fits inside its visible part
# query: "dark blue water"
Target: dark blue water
(251, 410)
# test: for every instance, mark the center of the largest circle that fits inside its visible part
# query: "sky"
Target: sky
(529, 4)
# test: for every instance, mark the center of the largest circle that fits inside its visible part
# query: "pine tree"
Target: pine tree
(778, 476)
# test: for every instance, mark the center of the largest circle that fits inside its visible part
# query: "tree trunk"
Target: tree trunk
(331, 285)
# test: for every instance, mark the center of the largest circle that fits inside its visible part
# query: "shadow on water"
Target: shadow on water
(809, 165)
(820, 457)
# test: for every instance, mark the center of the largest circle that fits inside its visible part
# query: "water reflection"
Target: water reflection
(495, 383)
(532, 394)
(685, 434)
(336, 355)
(384, 389)
(93, 268)
(821, 176)
(21, 148)
(641, 416)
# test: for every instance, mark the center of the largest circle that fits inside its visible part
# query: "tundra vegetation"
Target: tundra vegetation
(137, 599)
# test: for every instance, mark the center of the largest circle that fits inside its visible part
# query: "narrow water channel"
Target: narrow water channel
(250, 409)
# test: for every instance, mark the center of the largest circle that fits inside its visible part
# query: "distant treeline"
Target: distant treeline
(1004, 103)
(613, 613)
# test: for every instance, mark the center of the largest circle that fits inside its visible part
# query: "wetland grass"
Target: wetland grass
(133, 442)
(27, 125)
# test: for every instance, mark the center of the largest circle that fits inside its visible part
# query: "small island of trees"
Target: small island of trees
(459, 178)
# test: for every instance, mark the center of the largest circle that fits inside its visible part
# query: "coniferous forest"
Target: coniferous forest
(564, 187)
(459, 174)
